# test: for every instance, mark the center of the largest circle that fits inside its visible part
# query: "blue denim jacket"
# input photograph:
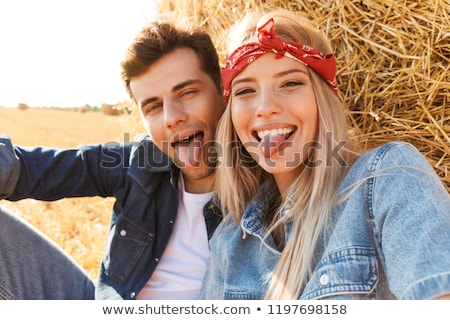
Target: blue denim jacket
(138, 175)
(389, 240)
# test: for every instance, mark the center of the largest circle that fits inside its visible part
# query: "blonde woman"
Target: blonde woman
(307, 214)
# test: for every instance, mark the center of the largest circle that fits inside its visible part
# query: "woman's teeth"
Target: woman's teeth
(275, 132)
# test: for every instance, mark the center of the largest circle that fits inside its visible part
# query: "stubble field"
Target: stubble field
(78, 225)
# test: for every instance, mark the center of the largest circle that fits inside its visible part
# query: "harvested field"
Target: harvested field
(78, 225)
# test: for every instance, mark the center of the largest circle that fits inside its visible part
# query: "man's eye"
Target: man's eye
(187, 93)
(151, 108)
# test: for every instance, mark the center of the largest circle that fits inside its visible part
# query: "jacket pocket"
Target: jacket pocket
(125, 245)
(345, 273)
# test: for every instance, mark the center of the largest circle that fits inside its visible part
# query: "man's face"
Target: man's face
(180, 107)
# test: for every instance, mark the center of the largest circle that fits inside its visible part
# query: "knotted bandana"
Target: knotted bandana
(324, 65)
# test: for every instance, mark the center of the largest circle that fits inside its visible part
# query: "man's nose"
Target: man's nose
(174, 113)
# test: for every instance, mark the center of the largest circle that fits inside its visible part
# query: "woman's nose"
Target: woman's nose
(267, 105)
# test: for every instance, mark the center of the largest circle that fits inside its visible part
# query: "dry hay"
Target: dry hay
(393, 63)
(110, 110)
(22, 106)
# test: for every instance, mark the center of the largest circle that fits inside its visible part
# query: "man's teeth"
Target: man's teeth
(187, 138)
(275, 132)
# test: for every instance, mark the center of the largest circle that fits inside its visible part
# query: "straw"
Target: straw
(393, 63)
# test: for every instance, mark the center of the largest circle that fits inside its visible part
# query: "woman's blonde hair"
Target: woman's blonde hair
(313, 194)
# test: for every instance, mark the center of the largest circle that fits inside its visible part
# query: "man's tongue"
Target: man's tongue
(189, 151)
(271, 143)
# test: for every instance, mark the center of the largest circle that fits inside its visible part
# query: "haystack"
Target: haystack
(110, 110)
(22, 106)
(393, 63)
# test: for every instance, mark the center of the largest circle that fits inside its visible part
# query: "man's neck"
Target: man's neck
(201, 185)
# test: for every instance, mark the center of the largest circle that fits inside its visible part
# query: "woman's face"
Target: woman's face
(274, 113)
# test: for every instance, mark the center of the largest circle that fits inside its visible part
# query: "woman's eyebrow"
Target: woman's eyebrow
(239, 80)
(289, 71)
(276, 75)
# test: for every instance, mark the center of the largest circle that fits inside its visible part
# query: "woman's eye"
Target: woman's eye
(243, 91)
(292, 84)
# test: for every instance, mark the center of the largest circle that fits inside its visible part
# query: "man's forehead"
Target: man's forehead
(181, 57)
(168, 73)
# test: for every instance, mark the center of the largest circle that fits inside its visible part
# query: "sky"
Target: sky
(66, 53)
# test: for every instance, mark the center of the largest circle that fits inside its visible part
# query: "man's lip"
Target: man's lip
(183, 136)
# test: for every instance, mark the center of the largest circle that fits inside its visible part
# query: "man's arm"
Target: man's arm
(51, 174)
(9, 167)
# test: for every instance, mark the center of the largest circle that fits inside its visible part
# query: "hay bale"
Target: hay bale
(22, 106)
(393, 63)
(81, 109)
(110, 110)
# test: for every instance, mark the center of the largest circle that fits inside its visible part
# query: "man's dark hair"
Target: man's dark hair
(159, 38)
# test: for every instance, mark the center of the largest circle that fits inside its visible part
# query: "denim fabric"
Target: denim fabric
(41, 270)
(140, 177)
(388, 240)
(9, 175)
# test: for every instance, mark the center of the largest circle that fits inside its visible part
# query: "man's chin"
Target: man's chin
(197, 173)
(194, 166)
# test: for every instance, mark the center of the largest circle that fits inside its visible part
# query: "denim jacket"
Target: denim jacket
(138, 175)
(390, 239)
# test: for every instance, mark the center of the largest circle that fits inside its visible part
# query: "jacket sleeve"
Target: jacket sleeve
(411, 211)
(50, 174)
(9, 167)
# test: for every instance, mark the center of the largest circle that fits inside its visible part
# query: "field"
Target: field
(79, 225)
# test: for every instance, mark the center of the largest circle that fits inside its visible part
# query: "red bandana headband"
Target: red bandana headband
(267, 41)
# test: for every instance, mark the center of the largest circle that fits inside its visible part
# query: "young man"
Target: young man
(157, 246)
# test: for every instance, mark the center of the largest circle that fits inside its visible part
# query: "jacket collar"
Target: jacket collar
(149, 166)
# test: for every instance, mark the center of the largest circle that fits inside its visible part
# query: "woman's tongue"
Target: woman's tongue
(271, 143)
(189, 151)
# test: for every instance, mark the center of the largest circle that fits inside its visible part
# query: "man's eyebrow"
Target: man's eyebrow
(185, 84)
(147, 101)
(174, 89)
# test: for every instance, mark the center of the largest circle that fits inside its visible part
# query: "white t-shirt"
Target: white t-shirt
(180, 272)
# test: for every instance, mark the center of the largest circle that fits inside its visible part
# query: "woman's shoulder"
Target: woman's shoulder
(389, 159)
(395, 153)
